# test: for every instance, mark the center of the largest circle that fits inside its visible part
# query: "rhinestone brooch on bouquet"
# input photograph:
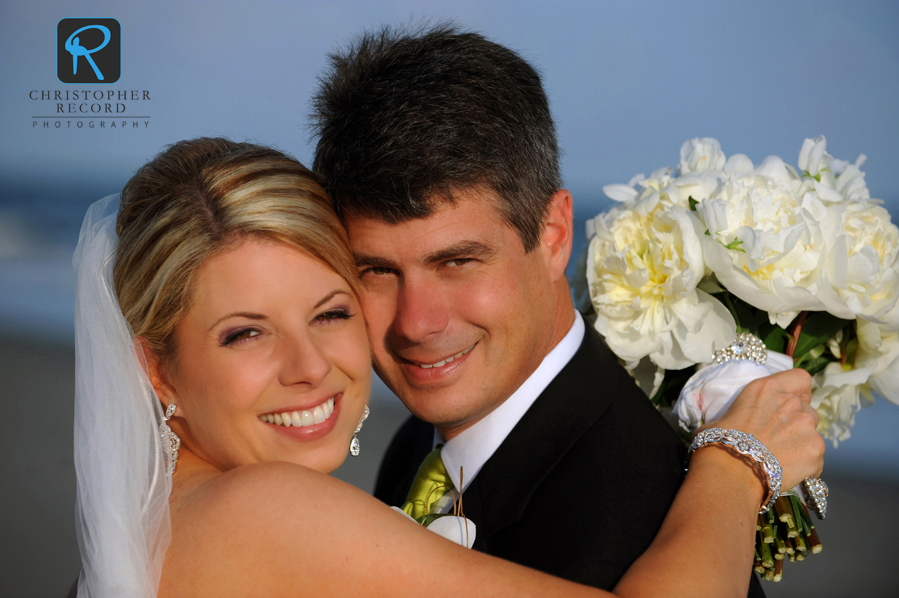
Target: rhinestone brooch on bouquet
(746, 346)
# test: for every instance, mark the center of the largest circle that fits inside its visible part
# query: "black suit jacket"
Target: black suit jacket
(580, 486)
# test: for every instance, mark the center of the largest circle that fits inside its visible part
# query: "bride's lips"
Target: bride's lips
(438, 370)
(313, 423)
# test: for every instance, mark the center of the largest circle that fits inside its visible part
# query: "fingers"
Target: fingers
(797, 382)
(816, 417)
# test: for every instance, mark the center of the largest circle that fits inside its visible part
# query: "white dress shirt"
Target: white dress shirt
(473, 446)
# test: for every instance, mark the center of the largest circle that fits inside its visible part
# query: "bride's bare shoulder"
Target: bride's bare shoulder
(277, 529)
(245, 526)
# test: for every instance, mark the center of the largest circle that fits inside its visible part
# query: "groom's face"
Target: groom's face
(458, 315)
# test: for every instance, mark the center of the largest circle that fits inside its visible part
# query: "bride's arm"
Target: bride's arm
(278, 529)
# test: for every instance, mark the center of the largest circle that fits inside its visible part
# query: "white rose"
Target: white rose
(763, 243)
(711, 391)
(643, 268)
(701, 154)
(862, 264)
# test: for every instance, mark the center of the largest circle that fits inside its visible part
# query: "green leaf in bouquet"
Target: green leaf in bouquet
(816, 331)
(813, 366)
(710, 286)
(734, 245)
(746, 317)
(671, 386)
(693, 203)
(774, 337)
(851, 350)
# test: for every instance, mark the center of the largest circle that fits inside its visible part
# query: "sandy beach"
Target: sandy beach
(40, 554)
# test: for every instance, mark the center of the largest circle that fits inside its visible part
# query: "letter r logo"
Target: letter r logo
(88, 50)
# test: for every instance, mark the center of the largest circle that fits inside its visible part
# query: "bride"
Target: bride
(222, 371)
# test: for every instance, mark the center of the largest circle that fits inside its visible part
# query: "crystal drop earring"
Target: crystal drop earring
(170, 441)
(354, 443)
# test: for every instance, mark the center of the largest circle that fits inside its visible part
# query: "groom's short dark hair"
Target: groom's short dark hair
(405, 118)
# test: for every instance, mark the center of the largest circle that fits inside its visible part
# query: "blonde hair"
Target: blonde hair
(196, 199)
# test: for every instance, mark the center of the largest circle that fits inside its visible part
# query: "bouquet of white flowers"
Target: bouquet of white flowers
(802, 258)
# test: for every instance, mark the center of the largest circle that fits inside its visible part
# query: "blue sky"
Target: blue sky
(628, 81)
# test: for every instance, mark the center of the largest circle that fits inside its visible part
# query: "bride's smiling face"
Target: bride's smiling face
(272, 334)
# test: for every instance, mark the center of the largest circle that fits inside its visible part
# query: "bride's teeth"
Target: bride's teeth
(459, 354)
(306, 417)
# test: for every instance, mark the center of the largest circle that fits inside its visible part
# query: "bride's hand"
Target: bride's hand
(777, 410)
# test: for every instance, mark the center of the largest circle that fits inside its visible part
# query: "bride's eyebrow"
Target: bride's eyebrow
(252, 316)
(330, 296)
(239, 314)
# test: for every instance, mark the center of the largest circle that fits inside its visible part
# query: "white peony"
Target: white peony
(836, 397)
(701, 154)
(879, 348)
(851, 180)
(815, 162)
(862, 263)
(639, 187)
(669, 190)
(764, 243)
(643, 268)
(739, 163)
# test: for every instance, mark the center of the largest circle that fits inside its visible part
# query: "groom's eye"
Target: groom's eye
(377, 270)
(456, 262)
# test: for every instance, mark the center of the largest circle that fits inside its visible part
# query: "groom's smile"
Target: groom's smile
(458, 315)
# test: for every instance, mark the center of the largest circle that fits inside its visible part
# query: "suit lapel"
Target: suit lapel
(558, 418)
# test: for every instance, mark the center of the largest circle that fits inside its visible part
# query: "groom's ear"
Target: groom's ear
(558, 227)
(155, 369)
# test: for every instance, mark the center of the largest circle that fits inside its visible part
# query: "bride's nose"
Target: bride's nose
(303, 362)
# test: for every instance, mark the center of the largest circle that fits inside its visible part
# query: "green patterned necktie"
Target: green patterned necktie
(430, 484)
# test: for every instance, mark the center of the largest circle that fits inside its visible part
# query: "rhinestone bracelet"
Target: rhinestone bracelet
(746, 444)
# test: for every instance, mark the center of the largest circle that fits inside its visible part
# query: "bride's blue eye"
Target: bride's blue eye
(239, 335)
(333, 315)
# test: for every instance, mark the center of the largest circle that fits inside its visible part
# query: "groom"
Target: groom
(440, 153)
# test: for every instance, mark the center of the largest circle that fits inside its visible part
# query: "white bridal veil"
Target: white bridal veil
(122, 512)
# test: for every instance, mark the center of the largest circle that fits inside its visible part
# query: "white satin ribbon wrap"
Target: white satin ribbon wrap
(122, 511)
(709, 392)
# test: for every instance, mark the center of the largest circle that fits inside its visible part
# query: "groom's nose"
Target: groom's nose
(421, 309)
